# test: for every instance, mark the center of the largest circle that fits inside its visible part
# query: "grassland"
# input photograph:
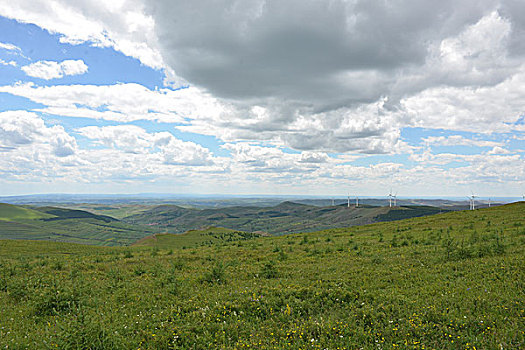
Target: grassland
(196, 238)
(285, 218)
(66, 225)
(449, 281)
(10, 212)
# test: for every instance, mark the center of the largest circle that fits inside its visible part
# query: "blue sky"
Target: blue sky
(150, 100)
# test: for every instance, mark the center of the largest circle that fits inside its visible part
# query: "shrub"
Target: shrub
(139, 271)
(269, 270)
(282, 255)
(55, 300)
(215, 275)
(83, 333)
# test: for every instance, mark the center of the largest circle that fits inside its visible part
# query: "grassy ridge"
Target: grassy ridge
(285, 218)
(10, 212)
(194, 238)
(66, 225)
(450, 281)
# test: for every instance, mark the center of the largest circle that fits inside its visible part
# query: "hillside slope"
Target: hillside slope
(451, 281)
(66, 225)
(10, 212)
(287, 217)
(195, 238)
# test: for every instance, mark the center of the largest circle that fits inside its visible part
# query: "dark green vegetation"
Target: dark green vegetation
(138, 221)
(117, 211)
(194, 238)
(66, 225)
(450, 281)
(287, 217)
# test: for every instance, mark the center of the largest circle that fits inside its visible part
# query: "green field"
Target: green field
(10, 212)
(66, 225)
(194, 238)
(449, 281)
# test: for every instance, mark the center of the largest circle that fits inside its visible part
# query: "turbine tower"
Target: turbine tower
(356, 201)
(472, 202)
(390, 196)
(395, 200)
(349, 200)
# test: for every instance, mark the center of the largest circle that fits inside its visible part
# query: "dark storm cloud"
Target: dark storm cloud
(304, 50)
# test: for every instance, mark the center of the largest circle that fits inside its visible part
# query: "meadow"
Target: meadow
(447, 281)
(66, 225)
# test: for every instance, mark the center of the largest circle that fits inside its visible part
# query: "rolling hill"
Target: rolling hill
(66, 225)
(10, 212)
(451, 281)
(285, 218)
(195, 238)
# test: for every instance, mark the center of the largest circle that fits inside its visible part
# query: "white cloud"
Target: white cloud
(9, 47)
(19, 127)
(121, 102)
(479, 53)
(318, 77)
(133, 139)
(8, 63)
(321, 88)
(63, 144)
(52, 70)
(485, 109)
(499, 150)
(122, 25)
(25, 130)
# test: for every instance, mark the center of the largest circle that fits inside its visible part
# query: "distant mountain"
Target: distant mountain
(286, 217)
(66, 225)
(220, 201)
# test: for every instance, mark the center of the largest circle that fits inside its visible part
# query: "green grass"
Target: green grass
(450, 281)
(117, 211)
(65, 225)
(10, 212)
(285, 218)
(193, 238)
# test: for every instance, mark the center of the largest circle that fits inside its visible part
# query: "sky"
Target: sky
(360, 97)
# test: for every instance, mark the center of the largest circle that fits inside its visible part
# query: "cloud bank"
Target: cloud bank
(265, 76)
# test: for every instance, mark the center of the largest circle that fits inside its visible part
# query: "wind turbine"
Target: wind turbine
(356, 201)
(469, 202)
(390, 196)
(395, 200)
(472, 202)
(349, 200)
(333, 202)
(489, 202)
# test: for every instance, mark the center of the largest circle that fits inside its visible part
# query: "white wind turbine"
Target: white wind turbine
(349, 200)
(472, 202)
(356, 201)
(390, 197)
